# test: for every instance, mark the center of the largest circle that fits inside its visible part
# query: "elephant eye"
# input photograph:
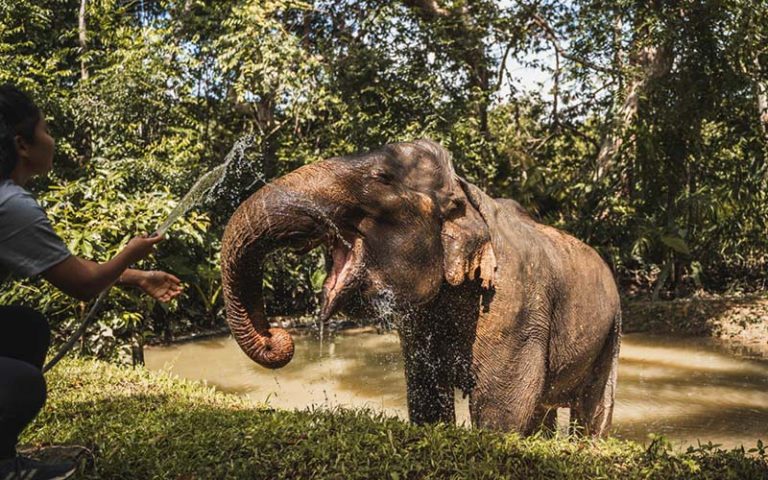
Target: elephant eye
(383, 176)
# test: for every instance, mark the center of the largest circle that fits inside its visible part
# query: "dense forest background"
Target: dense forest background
(647, 138)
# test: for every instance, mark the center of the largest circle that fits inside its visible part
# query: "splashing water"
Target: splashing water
(389, 311)
(207, 182)
(233, 166)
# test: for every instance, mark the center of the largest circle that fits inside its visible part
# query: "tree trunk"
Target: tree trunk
(83, 37)
(137, 349)
(653, 62)
(762, 101)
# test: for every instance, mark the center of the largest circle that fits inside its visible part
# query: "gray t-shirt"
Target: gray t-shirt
(28, 244)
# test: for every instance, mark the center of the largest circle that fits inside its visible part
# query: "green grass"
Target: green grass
(145, 425)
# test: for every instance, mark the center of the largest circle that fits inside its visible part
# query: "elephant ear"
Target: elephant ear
(467, 246)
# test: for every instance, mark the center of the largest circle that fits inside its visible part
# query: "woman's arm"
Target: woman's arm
(84, 279)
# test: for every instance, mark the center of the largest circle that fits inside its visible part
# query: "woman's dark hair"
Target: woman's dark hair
(18, 116)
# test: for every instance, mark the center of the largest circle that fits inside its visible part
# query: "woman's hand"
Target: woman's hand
(160, 285)
(142, 246)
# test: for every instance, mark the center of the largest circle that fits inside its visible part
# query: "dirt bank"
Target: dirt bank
(741, 321)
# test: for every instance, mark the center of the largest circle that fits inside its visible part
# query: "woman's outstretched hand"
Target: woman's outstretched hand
(160, 285)
(142, 246)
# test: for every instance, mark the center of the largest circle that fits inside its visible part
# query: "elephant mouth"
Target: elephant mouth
(345, 274)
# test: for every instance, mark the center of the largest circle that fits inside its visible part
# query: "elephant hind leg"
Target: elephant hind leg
(508, 394)
(593, 409)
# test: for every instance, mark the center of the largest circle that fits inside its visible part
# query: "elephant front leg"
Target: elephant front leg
(429, 382)
(430, 395)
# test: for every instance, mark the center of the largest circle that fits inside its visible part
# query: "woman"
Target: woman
(29, 247)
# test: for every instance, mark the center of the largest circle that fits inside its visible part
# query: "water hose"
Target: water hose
(78, 333)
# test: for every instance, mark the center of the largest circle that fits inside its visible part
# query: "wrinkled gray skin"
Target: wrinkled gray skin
(519, 315)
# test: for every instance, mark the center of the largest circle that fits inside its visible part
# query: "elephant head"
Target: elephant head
(396, 219)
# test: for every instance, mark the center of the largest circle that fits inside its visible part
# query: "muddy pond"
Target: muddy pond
(687, 389)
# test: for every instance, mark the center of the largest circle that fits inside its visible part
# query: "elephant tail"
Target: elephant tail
(615, 346)
(616, 338)
(604, 403)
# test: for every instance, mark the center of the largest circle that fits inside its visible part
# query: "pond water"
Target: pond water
(687, 389)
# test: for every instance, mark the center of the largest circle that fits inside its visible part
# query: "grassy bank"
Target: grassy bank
(148, 425)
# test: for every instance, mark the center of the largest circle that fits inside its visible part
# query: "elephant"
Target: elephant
(517, 315)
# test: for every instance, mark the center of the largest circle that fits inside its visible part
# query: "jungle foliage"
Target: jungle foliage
(647, 136)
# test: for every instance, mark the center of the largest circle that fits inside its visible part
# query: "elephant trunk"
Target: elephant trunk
(273, 217)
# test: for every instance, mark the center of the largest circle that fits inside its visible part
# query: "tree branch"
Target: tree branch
(428, 8)
(462, 31)
(503, 67)
(552, 37)
(654, 62)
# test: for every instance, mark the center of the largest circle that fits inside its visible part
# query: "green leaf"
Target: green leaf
(676, 243)
(317, 278)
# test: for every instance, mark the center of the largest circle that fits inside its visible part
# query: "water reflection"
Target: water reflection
(690, 389)
(686, 389)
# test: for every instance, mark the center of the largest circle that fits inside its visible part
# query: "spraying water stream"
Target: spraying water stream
(206, 183)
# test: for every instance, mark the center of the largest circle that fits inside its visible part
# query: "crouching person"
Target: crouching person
(29, 247)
